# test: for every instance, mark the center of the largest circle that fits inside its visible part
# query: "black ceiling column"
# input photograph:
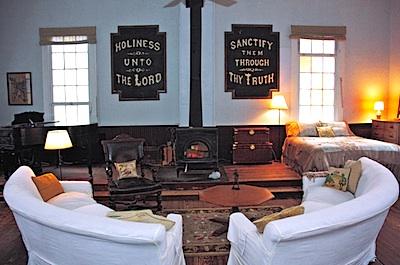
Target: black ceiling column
(195, 112)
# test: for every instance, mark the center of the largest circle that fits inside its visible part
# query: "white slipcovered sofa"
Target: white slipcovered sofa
(337, 228)
(71, 228)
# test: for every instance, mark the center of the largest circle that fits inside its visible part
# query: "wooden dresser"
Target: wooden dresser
(251, 146)
(386, 130)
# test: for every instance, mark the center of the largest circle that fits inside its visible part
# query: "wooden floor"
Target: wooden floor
(12, 250)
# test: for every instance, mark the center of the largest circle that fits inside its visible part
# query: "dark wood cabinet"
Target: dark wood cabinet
(251, 146)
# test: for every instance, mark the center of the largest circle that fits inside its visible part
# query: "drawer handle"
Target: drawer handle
(252, 147)
(252, 132)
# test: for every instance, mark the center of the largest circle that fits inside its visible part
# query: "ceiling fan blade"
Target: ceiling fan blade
(174, 3)
(226, 3)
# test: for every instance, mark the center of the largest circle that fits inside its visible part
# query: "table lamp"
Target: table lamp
(279, 103)
(57, 140)
(379, 106)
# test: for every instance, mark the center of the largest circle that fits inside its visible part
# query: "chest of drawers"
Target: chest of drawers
(251, 146)
(386, 130)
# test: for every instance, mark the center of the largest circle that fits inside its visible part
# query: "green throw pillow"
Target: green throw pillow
(337, 178)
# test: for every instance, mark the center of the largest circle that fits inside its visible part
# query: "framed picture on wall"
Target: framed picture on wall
(19, 85)
(398, 109)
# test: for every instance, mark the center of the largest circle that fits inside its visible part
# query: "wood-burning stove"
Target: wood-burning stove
(196, 148)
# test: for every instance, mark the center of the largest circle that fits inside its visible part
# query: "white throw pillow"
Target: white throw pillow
(355, 174)
(308, 129)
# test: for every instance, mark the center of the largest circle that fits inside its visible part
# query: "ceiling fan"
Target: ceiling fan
(226, 3)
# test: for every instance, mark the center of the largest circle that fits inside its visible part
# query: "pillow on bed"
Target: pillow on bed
(308, 129)
(294, 128)
(325, 131)
(340, 128)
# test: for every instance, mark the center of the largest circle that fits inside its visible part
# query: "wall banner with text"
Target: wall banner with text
(251, 61)
(138, 62)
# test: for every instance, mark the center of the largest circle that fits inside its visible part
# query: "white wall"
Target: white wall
(367, 53)
(20, 51)
(394, 88)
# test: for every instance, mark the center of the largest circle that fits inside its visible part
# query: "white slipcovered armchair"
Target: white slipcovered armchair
(71, 228)
(336, 228)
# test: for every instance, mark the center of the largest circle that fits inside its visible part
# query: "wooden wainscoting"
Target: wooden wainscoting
(159, 135)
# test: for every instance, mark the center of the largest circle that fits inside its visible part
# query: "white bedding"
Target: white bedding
(318, 153)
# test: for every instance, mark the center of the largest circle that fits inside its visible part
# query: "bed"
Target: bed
(305, 150)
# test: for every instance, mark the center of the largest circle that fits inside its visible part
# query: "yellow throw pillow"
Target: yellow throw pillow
(142, 216)
(355, 174)
(126, 169)
(337, 178)
(291, 211)
(292, 129)
(48, 186)
(325, 131)
(340, 128)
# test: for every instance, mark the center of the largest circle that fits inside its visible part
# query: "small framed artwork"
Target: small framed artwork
(19, 85)
(398, 110)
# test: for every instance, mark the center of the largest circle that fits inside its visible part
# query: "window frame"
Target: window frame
(48, 103)
(339, 77)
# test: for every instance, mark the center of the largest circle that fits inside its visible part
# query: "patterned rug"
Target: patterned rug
(197, 228)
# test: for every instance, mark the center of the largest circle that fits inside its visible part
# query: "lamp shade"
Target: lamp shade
(379, 105)
(278, 102)
(57, 139)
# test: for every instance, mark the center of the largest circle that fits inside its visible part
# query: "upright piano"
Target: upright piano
(23, 144)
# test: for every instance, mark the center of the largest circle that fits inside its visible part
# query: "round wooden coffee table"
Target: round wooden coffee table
(228, 195)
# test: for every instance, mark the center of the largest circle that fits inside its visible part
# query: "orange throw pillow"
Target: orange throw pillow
(292, 129)
(48, 186)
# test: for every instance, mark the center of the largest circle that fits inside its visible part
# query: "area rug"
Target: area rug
(197, 228)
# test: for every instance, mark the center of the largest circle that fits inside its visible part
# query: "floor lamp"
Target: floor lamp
(57, 140)
(279, 103)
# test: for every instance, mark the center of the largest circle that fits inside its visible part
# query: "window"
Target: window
(317, 80)
(317, 72)
(70, 83)
(70, 88)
